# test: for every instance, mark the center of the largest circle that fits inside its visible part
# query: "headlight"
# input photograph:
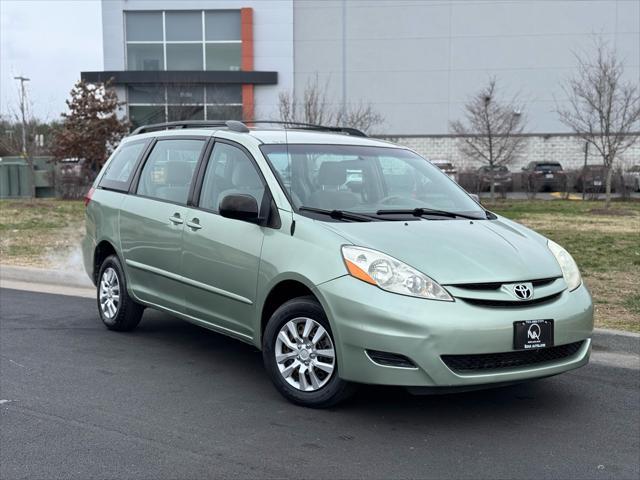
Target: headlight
(390, 274)
(567, 264)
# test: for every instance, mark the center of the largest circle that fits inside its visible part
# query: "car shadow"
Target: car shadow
(241, 365)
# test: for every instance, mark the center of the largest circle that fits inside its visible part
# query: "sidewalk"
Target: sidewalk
(77, 284)
(59, 282)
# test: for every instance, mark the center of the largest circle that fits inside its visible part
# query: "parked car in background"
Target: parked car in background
(72, 177)
(448, 168)
(631, 178)
(501, 178)
(539, 176)
(592, 178)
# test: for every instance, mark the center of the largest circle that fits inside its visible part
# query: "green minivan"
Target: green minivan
(345, 259)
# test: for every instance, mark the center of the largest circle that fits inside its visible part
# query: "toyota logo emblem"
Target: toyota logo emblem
(522, 291)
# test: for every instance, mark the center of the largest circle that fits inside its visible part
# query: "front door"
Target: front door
(221, 256)
(152, 221)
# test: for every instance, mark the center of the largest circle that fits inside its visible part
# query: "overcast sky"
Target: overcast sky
(51, 42)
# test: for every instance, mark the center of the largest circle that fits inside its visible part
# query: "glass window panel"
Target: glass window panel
(144, 57)
(224, 94)
(222, 25)
(151, 93)
(168, 171)
(139, 115)
(121, 165)
(223, 56)
(183, 26)
(144, 26)
(181, 94)
(184, 56)
(224, 112)
(185, 112)
(229, 172)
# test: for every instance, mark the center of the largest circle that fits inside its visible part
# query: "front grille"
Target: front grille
(541, 282)
(522, 358)
(511, 303)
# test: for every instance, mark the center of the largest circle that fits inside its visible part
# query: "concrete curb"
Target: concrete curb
(45, 276)
(603, 339)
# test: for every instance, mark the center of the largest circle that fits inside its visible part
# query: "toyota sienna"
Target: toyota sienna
(345, 259)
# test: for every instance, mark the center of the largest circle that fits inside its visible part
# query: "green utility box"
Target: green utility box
(15, 178)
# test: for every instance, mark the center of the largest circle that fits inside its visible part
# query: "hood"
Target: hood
(459, 251)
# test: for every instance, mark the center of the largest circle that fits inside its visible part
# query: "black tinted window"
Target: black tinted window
(549, 167)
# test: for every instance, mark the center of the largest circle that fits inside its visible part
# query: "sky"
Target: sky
(50, 42)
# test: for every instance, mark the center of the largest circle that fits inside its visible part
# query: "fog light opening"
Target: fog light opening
(387, 359)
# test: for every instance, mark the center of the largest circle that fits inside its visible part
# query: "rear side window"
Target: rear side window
(168, 171)
(120, 170)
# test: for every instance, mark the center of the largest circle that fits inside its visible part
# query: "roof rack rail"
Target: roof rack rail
(237, 126)
(230, 124)
(312, 126)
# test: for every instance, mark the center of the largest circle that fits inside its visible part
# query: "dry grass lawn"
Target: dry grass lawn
(41, 233)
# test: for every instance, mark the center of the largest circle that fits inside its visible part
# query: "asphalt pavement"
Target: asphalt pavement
(172, 400)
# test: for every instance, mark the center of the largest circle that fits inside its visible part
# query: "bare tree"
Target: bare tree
(313, 107)
(492, 129)
(603, 108)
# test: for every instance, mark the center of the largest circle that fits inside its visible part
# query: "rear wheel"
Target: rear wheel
(300, 356)
(116, 308)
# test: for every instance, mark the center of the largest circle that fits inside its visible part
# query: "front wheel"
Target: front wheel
(300, 356)
(116, 308)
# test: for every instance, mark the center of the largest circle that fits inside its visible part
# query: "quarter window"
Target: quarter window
(168, 172)
(230, 171)
(121, 166)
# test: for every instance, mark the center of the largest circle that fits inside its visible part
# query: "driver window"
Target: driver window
(229, 172)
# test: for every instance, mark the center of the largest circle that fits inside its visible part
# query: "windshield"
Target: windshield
(365, 179)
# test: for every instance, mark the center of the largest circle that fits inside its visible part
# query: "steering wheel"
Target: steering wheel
(391, 199)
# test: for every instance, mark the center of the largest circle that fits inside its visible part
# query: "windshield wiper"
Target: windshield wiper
(419, 212)
(339, 214)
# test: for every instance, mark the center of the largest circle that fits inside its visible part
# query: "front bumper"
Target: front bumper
(364, 317)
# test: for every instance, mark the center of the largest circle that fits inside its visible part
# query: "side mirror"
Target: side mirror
(240, 207)
(475, 197)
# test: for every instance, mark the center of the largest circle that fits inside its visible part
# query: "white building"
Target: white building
(415, 61)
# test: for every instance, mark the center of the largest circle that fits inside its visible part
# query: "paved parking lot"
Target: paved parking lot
(172, 400)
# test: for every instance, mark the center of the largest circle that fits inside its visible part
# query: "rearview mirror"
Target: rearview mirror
(240, 207)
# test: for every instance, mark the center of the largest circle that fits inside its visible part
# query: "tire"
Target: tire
(332, 389)
(121, 314)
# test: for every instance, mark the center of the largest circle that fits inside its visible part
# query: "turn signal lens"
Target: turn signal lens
(390, 274)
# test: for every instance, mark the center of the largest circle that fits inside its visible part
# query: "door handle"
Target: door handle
(194, 224)
(175, 219)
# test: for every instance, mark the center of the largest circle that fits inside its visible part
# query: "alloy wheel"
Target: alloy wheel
(305, 354)
(109, 293)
